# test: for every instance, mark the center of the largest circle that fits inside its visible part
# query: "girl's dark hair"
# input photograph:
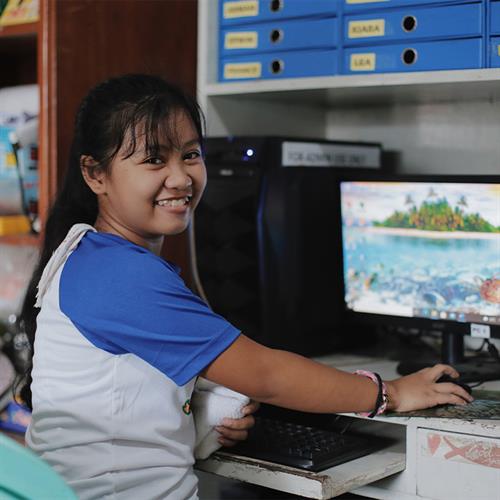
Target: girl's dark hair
(116, 110)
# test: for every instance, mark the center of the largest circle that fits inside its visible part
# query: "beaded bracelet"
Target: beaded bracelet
(382, 397)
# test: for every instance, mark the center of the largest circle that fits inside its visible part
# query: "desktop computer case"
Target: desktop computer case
(267, 252)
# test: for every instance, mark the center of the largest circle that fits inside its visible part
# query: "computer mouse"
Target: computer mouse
(457, 381)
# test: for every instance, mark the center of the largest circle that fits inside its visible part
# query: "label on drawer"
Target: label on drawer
(498, 49)
(364, 29)
(241, 40)
(248, 8)
(363, 62)
(242, 70)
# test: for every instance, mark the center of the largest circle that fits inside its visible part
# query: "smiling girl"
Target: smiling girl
(120, 339)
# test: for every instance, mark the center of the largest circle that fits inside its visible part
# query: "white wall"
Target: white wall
(447, 138)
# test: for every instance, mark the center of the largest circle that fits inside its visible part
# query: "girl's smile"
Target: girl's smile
(174, 203)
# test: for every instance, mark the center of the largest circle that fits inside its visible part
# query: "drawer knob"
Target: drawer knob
(276, 5)
(409, 23)
(277, 66)
(409, 56)
(276, 36)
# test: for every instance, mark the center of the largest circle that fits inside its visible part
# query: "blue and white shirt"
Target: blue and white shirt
(120, 340)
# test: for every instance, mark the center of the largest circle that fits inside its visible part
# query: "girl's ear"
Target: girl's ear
(93, 174)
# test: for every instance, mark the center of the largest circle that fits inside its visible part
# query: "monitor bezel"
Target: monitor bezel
(350, 317)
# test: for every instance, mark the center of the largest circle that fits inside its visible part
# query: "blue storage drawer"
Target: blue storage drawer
(251, 11)
(415, 23)
(421, 56)
(495, 18)
(364, 5)
(300, 63)
(494, 61)
(279, 36)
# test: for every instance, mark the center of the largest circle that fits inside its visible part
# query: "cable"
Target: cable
(193, 261)
(480, 348)
(492, 350)
(346, 427)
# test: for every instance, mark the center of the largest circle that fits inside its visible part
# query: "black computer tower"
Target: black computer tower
(266, 247)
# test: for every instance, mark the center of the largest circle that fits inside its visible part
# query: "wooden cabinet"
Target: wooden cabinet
(76, 44)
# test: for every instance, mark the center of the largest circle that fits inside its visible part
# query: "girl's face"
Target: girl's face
(147, 196)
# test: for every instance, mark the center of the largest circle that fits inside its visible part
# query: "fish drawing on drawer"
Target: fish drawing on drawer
(473, 449)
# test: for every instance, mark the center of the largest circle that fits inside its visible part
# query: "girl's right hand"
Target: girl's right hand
(420, 390)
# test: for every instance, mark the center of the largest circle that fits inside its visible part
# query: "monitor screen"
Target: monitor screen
(425, 249)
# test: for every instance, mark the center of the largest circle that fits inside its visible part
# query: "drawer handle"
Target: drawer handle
(276, 5)
(276, 36)
(277, 66)
(409, 23)
(409, 56)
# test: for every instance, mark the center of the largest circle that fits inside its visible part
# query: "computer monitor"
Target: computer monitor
(424, 252)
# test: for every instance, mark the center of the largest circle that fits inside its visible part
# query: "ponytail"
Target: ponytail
(75, 203)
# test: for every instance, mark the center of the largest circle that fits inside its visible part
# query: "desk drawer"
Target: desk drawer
(279, 36)
(457, 466)
(415, 23)
(232, 12)
(494, 15)
(494, 47)
(366, 5)
(420, 56)
(293, 64)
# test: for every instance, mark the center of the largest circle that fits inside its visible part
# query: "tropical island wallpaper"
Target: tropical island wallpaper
(422, 249)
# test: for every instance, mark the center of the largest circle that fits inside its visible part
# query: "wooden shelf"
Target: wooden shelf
(19, 30)
(20, 239)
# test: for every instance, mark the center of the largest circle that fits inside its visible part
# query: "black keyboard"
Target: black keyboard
(301, 446)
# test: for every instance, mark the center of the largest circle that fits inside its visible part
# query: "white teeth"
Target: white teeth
(173, 203)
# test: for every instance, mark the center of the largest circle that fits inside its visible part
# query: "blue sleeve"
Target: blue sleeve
(127, 300)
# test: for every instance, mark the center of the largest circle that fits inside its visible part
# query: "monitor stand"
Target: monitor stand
(473, 369)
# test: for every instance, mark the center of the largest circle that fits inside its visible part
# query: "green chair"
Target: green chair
(24, 476)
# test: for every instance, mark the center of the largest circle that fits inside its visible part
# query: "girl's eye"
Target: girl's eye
(154, 160)
(192, 155)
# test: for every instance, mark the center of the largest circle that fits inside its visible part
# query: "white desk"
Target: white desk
(433, 458)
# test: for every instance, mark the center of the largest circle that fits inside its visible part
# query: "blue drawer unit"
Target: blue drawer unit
(494, 15)
(233, 12)
(280, 36)
(365, 5)
(494, 56)
(299, 63)
(420, 56)
(415, 23)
